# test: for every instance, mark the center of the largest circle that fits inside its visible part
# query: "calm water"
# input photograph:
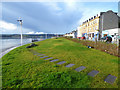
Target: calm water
(8, 43)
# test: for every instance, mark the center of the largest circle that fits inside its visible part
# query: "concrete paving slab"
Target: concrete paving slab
(93, 73)
(80, 68)
(69, 65)
(44, 56)
(41, 55)
(37, 53)
(48, 58)
(61, 62)
(54, 60)
(110, 79)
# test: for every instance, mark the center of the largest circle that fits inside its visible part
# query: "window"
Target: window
(90, 29)
(92, 34)
(97, 20)
(88, 35)
(96, 28)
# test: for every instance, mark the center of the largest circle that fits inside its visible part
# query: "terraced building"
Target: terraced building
(105, 23)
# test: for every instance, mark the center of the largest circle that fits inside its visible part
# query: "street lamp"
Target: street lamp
(21, 21)
(46, 35)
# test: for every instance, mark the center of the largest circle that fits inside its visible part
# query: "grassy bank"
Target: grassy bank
(21, 68)
(112, 49)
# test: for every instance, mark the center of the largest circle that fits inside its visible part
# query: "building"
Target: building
(72, 34)
(109, 23)
(97, 25)
(89, 28)
(67, 34)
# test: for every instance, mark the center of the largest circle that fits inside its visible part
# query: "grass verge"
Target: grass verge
(22, 69)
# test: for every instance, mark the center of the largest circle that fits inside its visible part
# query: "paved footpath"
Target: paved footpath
(109, 79)
(8, 50)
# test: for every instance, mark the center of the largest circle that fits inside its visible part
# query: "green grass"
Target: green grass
(22, 69)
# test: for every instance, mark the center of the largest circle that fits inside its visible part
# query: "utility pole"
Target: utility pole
(21, 21)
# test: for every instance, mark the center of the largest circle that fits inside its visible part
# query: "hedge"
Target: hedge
(110, 48)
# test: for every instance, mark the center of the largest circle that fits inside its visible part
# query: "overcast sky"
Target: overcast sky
(49, 17)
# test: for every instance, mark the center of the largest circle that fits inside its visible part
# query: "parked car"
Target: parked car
(82, 37)
(107, 38)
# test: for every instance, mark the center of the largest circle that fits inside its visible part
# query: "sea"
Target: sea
(9, 43)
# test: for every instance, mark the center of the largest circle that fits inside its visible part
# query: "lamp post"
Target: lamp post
(46, 35)
(21, 21)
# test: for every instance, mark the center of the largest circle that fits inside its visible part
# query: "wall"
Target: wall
(108, 20)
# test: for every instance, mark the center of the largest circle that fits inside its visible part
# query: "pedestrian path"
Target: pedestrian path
(54, 60)
(61, 62)
(44, 56)
(93, 73)
(48, 58)
(109, 79)
(80, 68)
(69, 65)
(41, 55)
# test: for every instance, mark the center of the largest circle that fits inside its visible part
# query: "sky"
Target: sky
(49, 17)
